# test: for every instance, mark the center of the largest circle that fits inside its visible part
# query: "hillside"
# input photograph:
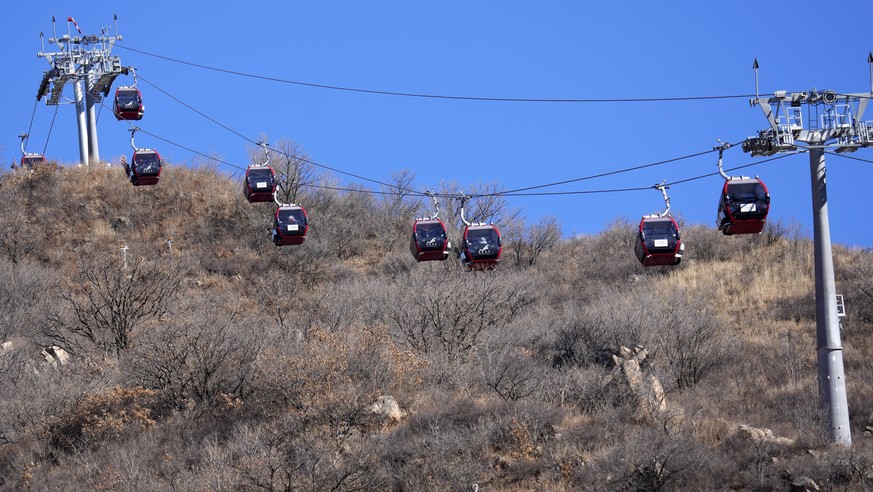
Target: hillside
(214, 360)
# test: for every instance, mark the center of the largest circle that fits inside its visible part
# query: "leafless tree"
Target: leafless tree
(204, 352)
(534, 240)
(17, 237)
(293, 168)
(400, 207)
(485, 205)
(512, 372)
(446, 312)
(689, 336)
(108, 302)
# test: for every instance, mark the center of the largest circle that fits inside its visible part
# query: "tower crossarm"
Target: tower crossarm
(820, 118)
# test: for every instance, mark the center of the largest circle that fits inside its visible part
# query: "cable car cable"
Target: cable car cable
(642, 188)
(32, 117)
(183, 103)
(191, 150)
(847, 156)
(681, 181)
(247, 139)
(516, 192)
(610, 173)
(401, 191)
(505, 193)
(434, 96)
(553, 193)
(52, 125)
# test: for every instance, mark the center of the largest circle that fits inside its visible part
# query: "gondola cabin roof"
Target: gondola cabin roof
(31, 160)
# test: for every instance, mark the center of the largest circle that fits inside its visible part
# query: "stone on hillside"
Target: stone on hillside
(762, 436)
(388, 407)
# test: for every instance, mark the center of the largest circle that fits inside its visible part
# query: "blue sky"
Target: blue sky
(490, 49)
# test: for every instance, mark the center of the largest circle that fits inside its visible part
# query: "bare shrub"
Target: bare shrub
(18, 239)
(680, 328)
(203, 354)
(689, 336)
(582, 338)
(22, 297)
(592, 263)
(591, 334)
(529, 245)
(651, 460)
(511, 372)
(349, 225)
(108, 303)
(399, 208)
(710, 244)
(104, 416)
(440, 448)
(445, 313)
(855, 276)
(285, 455)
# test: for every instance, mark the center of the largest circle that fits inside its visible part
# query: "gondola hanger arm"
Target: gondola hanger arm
(265, 145)
(663, 187)
(436, 205)
(23, 136)
(721, 148)
(276, 199)
(133, 130)
(464, 199)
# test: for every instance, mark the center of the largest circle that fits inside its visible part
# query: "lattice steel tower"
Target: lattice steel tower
(85, 62)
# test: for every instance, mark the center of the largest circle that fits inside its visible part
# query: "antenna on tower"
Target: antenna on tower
(870, 62)
(115, 18)
(755, 68)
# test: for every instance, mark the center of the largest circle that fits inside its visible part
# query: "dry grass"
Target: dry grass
(333, 352)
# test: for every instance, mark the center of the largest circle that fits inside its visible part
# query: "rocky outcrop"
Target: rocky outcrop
(647, 388)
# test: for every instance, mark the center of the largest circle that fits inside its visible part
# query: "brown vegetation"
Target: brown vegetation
(214, 360)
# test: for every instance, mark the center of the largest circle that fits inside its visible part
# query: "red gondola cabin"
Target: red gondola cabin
(429, 240)
(260, 184)
(482, 247)
(30, 161)
(128, 104)
(743, 206)
(658, 241)
(144, 168)
(290, 225)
